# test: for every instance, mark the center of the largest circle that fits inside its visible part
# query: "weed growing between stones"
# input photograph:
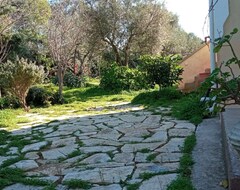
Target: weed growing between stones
(184, 179)
(134, 186)
(74, 154)
(145, 150)
(151, 157)
(11, 161)
(74, 184)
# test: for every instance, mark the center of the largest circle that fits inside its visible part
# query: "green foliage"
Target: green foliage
(181, 183)
(39, 96)
(118, 78)
(157, 98)
(184, 179)
(75, 184)
(73, 81)
(18, 76)
(163, 71)
(9, 102)
(226, 77)
(189, 108)
(134, 186)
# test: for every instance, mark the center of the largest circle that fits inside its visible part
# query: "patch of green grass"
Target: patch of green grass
(3, 136)
(145, 150)
(74, 154)
(134, 186)
(146, 136)
(181, 183)
(151, 157)
(9, 176)
(8, 118)
(75, 184)
(184, 179)
(34, 182)
(189, 144)
(50, 187)
(110, 154)
(3, 151)
(80, 143)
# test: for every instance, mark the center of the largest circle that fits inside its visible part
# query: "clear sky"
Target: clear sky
(192, 15)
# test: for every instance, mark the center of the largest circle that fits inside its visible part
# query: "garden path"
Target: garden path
(124, 148)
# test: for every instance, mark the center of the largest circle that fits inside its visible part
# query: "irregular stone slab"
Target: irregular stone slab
(134, 132)
(64, 142)
(19, 186)
(130, 139)
(68, 127)
(13, 150)
(96, 158)
(179, 132)
(132, 118)
(84, 135)
(56, 123)
(109, 187)
(55, 169)
(185, 125)
(97, 149)
(123, 157)
(160, 136)
(158, 182)
(21, 132)
(51, 179)
(152, 168)
(87, 128)
(141, 157)
(153, 119)
(25, 165)
(32, 155)
(109, 134)
(58, 152)
(168, 157)
(46, 130)
(61, 187)
(113, 123)
(101, 175)
(174, 145)
(58, 134)
(75, 159)
(140, 146)
(34, 147)
(94, 142)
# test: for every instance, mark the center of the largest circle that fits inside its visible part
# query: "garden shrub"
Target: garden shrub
(190, 108)
(18, 76)
(39, 96)
(163, 71)
(118, 78)
(9, 102)
(70, 80)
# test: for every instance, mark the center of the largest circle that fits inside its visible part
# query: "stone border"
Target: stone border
(232, 158)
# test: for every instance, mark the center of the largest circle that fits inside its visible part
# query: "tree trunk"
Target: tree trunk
(60, 83)
(126, 58)
(117, 56)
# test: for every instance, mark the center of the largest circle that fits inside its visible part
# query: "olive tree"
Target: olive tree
(128, 26)
(18, 76)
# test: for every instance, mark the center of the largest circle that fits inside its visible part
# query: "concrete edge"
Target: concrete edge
(229, 154)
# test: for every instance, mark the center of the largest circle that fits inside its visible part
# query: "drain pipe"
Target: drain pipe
(212, 36)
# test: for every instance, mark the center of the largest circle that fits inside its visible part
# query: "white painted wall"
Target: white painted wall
(221, 12)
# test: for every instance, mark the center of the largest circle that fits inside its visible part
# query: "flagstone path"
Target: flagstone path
(110, 151)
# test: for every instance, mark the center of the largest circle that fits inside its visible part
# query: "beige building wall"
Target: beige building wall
(233, 21)
(194, 64)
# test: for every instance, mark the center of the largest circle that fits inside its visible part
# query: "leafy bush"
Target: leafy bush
(163, 71)
(71, 80)
(39, 96)
(117, 78)
(9, 102)
(18, 76)
(190, 108)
